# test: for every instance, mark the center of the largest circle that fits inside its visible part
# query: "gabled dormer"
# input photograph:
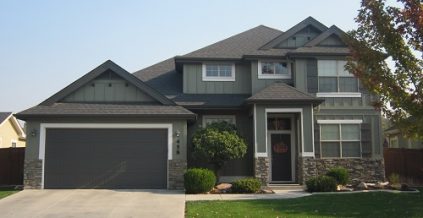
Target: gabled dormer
(332, 37)
(298, 35)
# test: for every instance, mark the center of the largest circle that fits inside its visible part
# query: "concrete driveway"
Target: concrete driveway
(93, 203)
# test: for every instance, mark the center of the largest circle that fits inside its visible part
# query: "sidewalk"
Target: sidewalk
(279, 194)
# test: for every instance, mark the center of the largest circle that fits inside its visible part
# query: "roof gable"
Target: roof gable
(102, 71)
(307, 23)
(331, 37)
(8, 116)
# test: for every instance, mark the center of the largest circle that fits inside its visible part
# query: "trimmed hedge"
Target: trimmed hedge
(198, 180)
(340, 174)
(321, 184)
(247, 185)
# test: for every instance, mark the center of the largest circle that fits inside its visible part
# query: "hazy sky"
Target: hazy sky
(45, 45)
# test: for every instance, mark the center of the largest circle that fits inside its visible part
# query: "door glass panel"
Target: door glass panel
(276, 123)
(281, 156)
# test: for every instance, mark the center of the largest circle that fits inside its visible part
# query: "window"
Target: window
(335, 81)
(274, 70)
(207, 119)
(218, 72)
(393, 142)
(342, 139)
(13, 144)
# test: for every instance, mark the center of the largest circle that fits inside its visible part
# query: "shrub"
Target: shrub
(340, 174)
(394, 179)
(247, 185)
(321, 184)
(218, 143)
(197, 180)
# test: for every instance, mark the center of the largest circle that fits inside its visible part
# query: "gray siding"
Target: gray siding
(193, 83)
(258, 84)
(300, 74)
(332, 40)
(32, 150)
(261, 126)
(300, 38)
(372, 142)
(244, 123)
(108, 90)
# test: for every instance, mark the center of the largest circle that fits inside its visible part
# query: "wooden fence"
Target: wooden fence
(11, 166)
(407, 163)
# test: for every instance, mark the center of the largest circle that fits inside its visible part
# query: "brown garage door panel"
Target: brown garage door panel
(106, 158)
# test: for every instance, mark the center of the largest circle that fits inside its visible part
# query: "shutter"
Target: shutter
(312, 80)
(366, 140)
(317, 140)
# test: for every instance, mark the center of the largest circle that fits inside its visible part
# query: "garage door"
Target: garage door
(106, 158)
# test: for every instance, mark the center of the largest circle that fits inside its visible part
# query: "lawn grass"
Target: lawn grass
(4, 192)
(373, 204)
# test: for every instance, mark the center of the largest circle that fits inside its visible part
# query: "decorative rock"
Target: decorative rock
(362, 186)
(223, 187)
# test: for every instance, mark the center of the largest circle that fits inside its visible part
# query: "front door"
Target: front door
(281, 147)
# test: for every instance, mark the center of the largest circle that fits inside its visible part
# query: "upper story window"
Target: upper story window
(207, 119)
(340, 138)
(218, 72)
(274, 70)
(335, 81)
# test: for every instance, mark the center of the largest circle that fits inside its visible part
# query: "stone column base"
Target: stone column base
(33, 174)
(176, 171)
(262, 169)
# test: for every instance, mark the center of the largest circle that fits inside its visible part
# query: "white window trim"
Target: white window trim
(340, 140)
(339, 121)
(260, 74)
(218, 78)
(205, 117)
(339, 94)
(45, 126)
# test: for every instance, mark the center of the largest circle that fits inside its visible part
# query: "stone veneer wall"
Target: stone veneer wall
(262, 169)
(32, 174)
(361, 169)
(176, 170)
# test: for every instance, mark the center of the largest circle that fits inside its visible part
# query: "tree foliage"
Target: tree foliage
(218, 143)
(396, 32)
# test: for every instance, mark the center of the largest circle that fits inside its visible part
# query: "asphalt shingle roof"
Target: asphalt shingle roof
(210, 100)
(77, 109)
(280, 91)
(4, 116)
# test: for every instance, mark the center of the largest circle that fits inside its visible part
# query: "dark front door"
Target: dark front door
(106, 158)
(281, 157)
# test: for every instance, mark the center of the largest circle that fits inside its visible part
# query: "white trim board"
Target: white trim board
(217, 78)
(339, 94)
(339, 121)
(45, 126)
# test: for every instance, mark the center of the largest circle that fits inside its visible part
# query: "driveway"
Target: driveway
(93, 203)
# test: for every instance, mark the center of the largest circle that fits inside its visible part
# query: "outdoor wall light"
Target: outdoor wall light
(33, 133)
(178, 133)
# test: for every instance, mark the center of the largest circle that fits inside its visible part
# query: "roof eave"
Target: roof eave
(180, 116)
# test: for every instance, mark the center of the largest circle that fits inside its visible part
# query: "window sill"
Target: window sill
(218, 79)
(339, 94)
(261, 76)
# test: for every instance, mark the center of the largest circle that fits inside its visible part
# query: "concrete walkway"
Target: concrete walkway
(93, 203)
(279, 194)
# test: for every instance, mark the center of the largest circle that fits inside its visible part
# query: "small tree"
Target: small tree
(218, 143)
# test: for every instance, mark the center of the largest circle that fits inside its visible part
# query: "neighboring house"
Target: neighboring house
(288, 93)
(11, 133)
(397, 140)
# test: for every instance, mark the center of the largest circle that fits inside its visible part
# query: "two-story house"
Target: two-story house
(287, 92)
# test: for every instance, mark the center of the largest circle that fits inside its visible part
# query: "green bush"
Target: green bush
(340, 174)
(247, 185)
(321, 184)
(197, 180)
(394, 179)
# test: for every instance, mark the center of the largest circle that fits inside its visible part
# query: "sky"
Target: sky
(46, 45)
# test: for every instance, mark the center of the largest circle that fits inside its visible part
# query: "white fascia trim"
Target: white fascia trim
(260, 75)
(45, 126)
(15, 122)
(339, 121)
(339, 94)
(217, 78)
(307, 154)
(205, 117)
(286, 110)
